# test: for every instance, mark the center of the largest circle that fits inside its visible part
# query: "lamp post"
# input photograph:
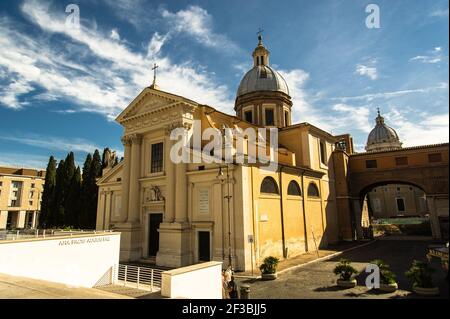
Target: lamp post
(228, 197)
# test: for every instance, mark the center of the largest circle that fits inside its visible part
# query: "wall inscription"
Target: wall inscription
(203, 201)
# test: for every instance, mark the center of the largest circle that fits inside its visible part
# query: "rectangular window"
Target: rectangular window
(401, 161)
(435, 158)
(15, 184)
(371, 164)
(286, 118)
(249, 116)
(323, 153)
(157, 158)
(270, 120)
(1, 184)
(13, 203)
(400, 204)
(30, 202)
(32, 185)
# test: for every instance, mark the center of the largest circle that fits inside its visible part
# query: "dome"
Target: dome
(382, 137)
(262, 78)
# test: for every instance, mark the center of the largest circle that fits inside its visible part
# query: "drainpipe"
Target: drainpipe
(282, 213)
(304, 212)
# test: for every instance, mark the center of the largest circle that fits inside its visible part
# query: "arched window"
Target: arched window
(313, 191)
(269, 186)
(294, 189)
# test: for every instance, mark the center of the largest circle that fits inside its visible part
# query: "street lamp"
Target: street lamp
(228, 197)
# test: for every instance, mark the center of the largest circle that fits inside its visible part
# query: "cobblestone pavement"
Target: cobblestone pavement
(316, 280)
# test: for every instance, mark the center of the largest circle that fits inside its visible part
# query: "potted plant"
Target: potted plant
(387, 277)
(420, 274)
(345, 271)
(269, 268)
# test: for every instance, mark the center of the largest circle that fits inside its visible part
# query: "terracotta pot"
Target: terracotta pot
(388, 287)
(346, 283)
(269, 276)
(433, 291)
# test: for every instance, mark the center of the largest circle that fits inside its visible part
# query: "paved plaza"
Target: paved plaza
(316, 280)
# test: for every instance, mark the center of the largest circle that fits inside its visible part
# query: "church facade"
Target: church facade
(180, 214)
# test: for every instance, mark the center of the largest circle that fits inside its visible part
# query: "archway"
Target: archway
(392, 208)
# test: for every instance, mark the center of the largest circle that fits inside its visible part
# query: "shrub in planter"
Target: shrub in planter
(345, 271)
(420, 274)
(269, 268)
(387, 277)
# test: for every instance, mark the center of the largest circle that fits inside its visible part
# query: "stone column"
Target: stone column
(135, 168)
(181, 193)
(126, 141)
(434, 220)
(170, 174)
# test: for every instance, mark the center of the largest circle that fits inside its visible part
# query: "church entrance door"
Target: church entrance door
(203, 246)
(153, 235)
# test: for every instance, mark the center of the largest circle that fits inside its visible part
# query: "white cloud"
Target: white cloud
(439, 13)
(356, 117)
(392, 94)
(23, 160)
(111, 74)
(114, 35)
(434, 56)
(369, 71)
(10, 93)
(432, 129)
(197, 22)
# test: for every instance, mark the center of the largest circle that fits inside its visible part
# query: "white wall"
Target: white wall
(79, 261)
(200, 281)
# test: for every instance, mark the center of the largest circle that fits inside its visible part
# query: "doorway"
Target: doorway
(204, 246)
(153, 235)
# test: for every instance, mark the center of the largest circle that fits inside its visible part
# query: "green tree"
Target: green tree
(72, 202)
(48, 193)
(58, 205)
(95, 172)
(84, 193)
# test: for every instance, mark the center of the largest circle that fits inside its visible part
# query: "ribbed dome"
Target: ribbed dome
(382, 137)
(262, 78)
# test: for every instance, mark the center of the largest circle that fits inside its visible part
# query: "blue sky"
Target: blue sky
(60, 89)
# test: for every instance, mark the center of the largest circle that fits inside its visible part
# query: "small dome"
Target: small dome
(262, 78)
(382, 137)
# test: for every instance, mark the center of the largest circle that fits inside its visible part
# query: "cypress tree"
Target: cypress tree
(72, 203)
(48, 192)
(84, 194)
(104, 163)
(94, 173)
(58, 205)
(69, 166)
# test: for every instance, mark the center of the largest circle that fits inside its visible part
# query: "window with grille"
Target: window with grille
(371, 164)
(313, 191)
(249, 116)
(401, 161)
(156, 158)
(270, 120)
(294, 189)
(269, 186)
(435, 158)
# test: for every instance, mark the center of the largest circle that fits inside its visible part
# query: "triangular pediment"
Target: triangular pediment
(112, 176)
(150, 100)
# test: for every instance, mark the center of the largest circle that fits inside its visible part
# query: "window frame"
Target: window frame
(274, 183)
(312, 184)
(151, 158)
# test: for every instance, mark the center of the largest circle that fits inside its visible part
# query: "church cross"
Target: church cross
(260, 31)
(154, 72)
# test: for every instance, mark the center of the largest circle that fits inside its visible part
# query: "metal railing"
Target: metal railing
(45, 233)
(143, 278)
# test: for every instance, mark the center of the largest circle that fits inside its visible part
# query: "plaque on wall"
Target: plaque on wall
(203, 201)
